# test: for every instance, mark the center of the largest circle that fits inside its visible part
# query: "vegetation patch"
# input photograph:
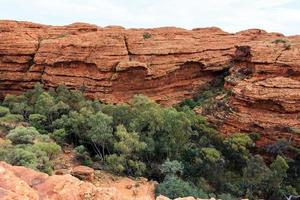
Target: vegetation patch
(172, 145)
(147, 35)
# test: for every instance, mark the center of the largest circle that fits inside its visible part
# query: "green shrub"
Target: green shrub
(211, 154)
(116, 163)
(146, 35)
(279, 40)
(38, 121)
(22, 135)
(21, 157)
(171, 168)
(254, 136)
(82, 154)
(3, 111)
(12, 118)
(51, 149)
(237, 148)
(174, 187)
(59, 135)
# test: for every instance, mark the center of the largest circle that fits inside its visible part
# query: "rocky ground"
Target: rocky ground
(20, 183)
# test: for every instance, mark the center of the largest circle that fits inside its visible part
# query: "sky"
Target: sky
(230, 15)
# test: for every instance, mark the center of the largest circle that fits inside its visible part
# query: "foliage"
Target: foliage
(211, 154)
(174, 187)
(237, 148)
(171, 168)
(3, 111)
(12, 118)
(127, 145)
(25, 155)
(22, 135)
(82, 154)
(59, 136)
(51, 149)
(38, 121)
(172, 145)
(147, 35)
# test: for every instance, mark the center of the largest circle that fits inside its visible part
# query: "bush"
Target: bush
(38, 121)
(171, 168)
(115, 163)
(59, 135)
(174, 187)
(3, 111)
(211, 154)
(82, 154)
(147, 35)
(237, 148)
(21, 157)
(51, 149)
(12, 118)
(22, 135)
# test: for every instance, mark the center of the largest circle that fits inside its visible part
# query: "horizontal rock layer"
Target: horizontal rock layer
(167, 64)
(265, 82)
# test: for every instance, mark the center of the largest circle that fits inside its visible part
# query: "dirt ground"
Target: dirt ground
(126, 188)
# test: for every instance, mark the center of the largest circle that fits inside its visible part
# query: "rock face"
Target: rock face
(21, 183)
(113, 63)
(167, 64)
(265, 82)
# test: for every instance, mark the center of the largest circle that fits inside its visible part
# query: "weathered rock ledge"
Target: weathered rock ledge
(167, 64)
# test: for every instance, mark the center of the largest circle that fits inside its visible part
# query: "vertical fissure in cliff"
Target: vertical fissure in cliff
(31, 62)
(127, 48)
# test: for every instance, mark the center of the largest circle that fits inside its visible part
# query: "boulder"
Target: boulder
(21, 183)
(83, 173)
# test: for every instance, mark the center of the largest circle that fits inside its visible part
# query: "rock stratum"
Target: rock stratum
(167, 64)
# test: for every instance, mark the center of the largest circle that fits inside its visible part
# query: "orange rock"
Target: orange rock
(83, 172)
(26, 184)
(265, 83)
(114, 63)
(167, 64)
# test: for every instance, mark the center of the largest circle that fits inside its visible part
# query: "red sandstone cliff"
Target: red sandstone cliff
(167, 64)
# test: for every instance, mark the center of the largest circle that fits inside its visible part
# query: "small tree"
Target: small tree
(171, 168)
(22, 135)
(127, 147)
(237, 149)
(100, 131)
(43, 104)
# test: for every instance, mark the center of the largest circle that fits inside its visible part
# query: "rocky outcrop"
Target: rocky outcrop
(265, 82)
(112, 63)
(21, 183)
(167, 64)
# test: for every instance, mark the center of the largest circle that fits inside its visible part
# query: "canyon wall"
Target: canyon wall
(167, 64)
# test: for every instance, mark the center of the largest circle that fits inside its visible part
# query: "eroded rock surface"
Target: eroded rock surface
(113, 63)
(21, 183)
(265, 82)
(167, 64)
